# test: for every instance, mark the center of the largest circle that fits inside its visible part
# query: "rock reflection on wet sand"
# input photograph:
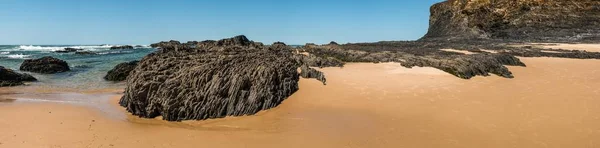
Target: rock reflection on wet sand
(551, 103)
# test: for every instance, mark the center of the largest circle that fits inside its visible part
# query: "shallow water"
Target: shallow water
(87, 71)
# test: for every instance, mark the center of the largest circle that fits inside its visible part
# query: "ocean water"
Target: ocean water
(87, 71)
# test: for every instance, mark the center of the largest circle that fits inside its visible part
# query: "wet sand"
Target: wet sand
(551, 103)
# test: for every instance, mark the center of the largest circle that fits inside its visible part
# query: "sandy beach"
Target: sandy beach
(550, 103)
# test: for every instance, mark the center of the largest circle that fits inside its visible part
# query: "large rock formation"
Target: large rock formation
(45, 65)
(523, 20)
(9, 77)
(211, 79)
(121, 71)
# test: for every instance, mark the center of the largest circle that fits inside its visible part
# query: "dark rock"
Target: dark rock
(122, 47)
(468, 66)
(138, 46)
(85, 53)
(307, 72)
(9, 77)
(121, 71)
(67, 50)
(45, 65)
(523, 20)
(210, 79)
(333, 43)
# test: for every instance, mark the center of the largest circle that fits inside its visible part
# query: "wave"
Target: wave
(6, 52)
(56, 48)
(17, 56)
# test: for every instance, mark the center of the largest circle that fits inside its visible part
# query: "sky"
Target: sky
(62, 22)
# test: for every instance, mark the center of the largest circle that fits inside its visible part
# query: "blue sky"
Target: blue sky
(149, 21)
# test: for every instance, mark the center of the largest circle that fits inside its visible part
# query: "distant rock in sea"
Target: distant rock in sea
(212, 79)
(523, 20)
(9, 77)
(85, 53)
(45, 65)
(67, 50)
(122, 47)
(121, 71)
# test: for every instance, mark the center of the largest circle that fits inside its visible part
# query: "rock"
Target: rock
(45, 65)
(210, 79)
(333, 43)
(67, 50)
(522, 20)
(122, 47)
(85, 53)
(410, 54)
(121, 71)
(139, 46)
(307, 72)
(468, 66)
(9, 77)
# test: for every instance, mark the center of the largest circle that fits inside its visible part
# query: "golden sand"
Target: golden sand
(551, 103)
(585, 47)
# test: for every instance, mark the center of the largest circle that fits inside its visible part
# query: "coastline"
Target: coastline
(548, 103)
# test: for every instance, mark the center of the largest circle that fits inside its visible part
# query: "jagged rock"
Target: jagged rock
(67, 50)
(121, 71)
(460, 65)
(307, 72)
(522, 20)
(9, 77)
(210, 79)
(468, 66)
(85, 53)
(45, 65)
(122, 47)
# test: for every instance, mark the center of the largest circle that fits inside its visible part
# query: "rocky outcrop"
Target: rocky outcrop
(121, 71)
(45, 65)
(307, 72)
(421, 54)
(9, 77)
(211, 79)
(522, 20)
(468, 66)
(122, 47)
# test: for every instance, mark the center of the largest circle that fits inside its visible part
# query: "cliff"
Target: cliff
(523, 20)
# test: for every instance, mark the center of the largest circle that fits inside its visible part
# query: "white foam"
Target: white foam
(6, 52)
(56, 48)
(18, 56)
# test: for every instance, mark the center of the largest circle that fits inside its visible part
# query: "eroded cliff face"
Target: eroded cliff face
(525, 20)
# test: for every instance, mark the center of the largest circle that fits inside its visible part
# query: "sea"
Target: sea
(87, 71)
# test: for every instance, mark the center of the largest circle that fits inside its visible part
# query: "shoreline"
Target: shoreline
(363, 105)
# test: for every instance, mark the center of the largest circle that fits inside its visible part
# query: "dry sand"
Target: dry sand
(551, 103)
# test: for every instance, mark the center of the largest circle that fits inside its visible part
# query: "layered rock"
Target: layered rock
(523, 20)
(9, 77)
(121, 71)
(45, 65)
(422, 54)
(211, 79)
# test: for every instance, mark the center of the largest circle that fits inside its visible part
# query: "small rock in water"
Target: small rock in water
(121, 71)
(45, 65)
(122, 47)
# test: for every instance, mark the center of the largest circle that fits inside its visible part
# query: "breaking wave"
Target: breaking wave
(17, 56)
(55, 48)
